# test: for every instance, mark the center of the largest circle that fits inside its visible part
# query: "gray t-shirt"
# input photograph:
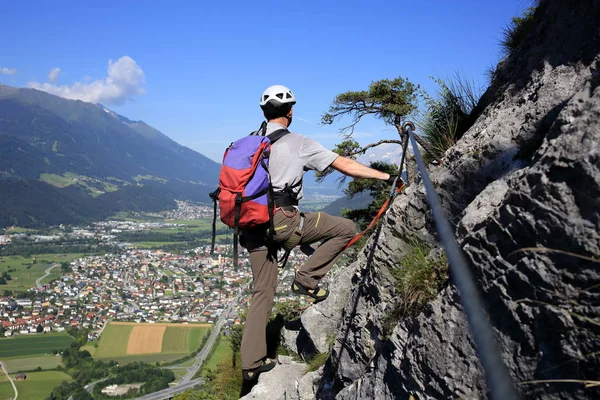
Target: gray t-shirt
(293, 155)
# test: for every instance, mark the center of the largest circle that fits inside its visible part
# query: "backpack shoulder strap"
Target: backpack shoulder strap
(260, 131)
(278, 134)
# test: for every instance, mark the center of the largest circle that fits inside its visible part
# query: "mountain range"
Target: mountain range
(67, 161)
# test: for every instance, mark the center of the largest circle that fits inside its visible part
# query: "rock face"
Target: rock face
(525, 175)
(288, 381)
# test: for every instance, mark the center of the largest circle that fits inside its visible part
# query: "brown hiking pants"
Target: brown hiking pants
(334, 232)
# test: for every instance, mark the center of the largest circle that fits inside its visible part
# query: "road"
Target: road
(170, 392)
(187, 382)
(10, 380)
(209, 344)
(90, 386)
(38, 281)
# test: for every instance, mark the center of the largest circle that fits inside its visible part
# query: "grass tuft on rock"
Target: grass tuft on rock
(448, 116)
(517, 31)
(316, 361)
(420, 276)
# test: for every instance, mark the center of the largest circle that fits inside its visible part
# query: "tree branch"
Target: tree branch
(362, 151)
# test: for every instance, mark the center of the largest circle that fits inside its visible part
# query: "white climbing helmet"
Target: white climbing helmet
(277, 95)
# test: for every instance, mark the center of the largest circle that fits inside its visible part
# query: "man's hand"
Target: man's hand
(392, 178)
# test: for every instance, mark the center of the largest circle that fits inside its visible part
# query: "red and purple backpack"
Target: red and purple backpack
(245, 194)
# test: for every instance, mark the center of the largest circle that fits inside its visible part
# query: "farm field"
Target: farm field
(31, 363)
(113, 342)
(128, 342)
(151, 245)
(89, 347)
(28, 269)
(41, 344)
(6, 389)
(39, 385)
(221, 354)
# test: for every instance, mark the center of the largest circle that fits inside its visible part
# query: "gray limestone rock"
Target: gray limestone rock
(288, 381)
(525, 176)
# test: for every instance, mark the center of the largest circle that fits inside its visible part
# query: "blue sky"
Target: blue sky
(195, 70)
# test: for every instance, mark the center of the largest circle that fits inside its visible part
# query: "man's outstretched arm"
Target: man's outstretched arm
(355, 169)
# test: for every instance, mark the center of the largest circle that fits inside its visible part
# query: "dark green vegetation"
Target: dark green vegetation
(99, 162)
(446, 119)
(67, 390)
(27, 248)
(378, 191)
(420, 275)
(154, 379)
(518, 30)
(389, 100)
(38, 345)
(392, 101)
(448, 116)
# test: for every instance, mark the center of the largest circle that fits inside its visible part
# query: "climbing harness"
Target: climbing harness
(497, 378)
(292, 241)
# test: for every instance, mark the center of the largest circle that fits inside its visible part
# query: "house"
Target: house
(20, 377)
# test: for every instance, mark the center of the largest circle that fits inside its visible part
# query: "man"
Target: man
(291, 156)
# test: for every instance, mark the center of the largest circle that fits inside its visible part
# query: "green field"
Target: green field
(6, 389)
(39, 385)
(18, 229)
(181, 340)
(191, 225)
(175, 339)
(89, 346)
(31, 363)
(33, 345)
(113, 342)
(221, 354)
(31, 268)
(151, 245)
(59, 180)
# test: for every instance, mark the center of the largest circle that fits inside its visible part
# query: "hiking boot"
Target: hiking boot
(267, 365)
(319, 294)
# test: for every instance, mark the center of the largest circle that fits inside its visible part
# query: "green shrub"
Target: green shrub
(419, 278)
(448, 116)
(517, 31)
(316, 361)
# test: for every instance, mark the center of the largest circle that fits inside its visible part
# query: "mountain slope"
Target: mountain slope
(66, 143)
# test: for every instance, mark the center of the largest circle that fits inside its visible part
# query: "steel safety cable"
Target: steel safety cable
(498, 380)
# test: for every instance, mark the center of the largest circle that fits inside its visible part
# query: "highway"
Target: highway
(170, 392)
(209, 344)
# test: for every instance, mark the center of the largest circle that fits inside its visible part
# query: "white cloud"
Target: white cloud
(53, 74)
(303, 120)
(8, 71)
(124, 81)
